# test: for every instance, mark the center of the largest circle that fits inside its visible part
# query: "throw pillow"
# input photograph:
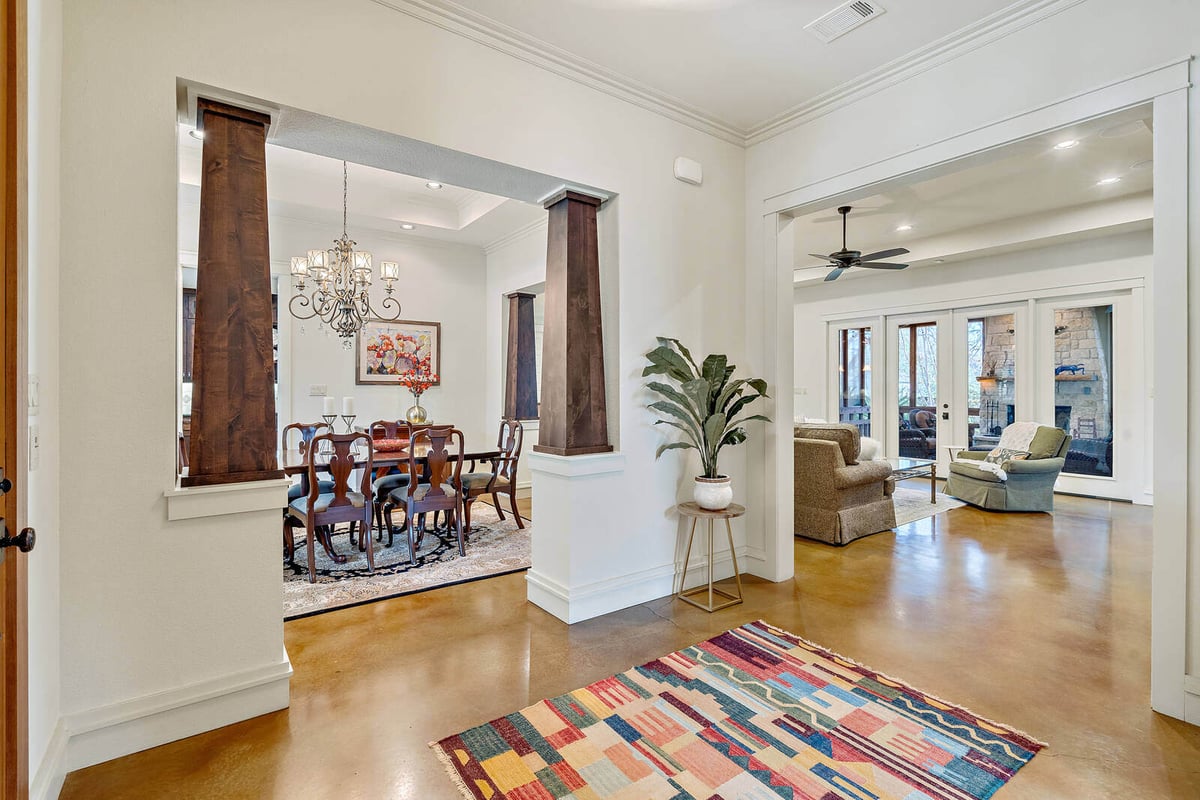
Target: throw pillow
(1046, 442)
(869, 449)
(999, 455)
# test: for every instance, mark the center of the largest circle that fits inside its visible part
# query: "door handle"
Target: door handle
(5, 483)
(23, 541)
(945, 415)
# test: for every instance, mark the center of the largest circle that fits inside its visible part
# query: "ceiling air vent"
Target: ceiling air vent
(843, 19)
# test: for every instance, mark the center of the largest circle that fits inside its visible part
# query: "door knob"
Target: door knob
(5, 486)
(23, 541)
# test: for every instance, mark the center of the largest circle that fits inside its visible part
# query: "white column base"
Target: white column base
(573, 577)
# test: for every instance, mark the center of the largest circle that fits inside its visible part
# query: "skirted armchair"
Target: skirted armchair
(839, 499)
(1027, 485)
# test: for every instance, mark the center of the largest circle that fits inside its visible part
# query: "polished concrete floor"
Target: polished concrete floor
(1036, 621)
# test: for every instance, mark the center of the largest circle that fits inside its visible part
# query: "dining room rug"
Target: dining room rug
(913, 504)
(755, 713)
(494, 547)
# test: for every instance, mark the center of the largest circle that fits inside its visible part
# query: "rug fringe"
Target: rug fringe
(906, 684)
(448, 765)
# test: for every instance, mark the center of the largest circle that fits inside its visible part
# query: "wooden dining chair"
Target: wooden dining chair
(440, 491)
(503, 477)
(307, 431)
(388, 435)
(344, 502)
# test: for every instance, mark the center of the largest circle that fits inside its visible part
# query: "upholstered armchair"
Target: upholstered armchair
(837, 498)
(1026, 485)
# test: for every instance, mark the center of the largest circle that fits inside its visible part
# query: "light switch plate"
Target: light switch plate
(318, 390)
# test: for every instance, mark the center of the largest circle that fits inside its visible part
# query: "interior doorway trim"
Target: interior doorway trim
(1166, 88)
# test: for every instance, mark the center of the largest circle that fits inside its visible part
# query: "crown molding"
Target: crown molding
(479, 28)
(452, 17)
(979, 34)
(517, 235)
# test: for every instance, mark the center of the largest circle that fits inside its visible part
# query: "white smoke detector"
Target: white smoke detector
(843, 19)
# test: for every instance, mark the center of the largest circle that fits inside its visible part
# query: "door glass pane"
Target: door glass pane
(1083, 388)
(991, 357)
(916, 381)
(854, 378)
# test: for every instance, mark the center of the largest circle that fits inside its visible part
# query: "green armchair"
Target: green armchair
(1028, 485)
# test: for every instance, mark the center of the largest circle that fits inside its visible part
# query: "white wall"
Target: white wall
(150, 605)
(1027, 71)
(439, 282)
(42, 479)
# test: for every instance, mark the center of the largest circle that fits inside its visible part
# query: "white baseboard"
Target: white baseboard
(115, 730)
(575, 604)
(49, 776)
(1191, 699)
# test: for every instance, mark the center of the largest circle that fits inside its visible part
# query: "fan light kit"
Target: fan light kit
(844, 259)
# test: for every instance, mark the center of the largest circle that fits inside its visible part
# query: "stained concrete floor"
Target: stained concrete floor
(1036, 621)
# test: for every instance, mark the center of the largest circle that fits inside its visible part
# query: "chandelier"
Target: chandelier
(341, 292)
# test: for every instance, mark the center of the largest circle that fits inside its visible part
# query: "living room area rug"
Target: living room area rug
(755, 713)
(913, 504)
(494, 547)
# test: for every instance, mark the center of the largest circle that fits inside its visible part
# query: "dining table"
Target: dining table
(295, 462)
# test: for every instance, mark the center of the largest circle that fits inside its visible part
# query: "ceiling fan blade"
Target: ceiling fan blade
(899, 251)
(818, 255)
(882, 265)
(833, 276)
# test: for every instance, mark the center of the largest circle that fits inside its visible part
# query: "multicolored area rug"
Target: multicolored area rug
(493, 548)
(754, 714)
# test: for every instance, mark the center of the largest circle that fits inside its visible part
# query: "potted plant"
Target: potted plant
(705, 407)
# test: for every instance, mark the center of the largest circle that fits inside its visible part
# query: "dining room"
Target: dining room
(447, 288)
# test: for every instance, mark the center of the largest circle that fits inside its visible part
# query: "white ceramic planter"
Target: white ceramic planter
(713, 494)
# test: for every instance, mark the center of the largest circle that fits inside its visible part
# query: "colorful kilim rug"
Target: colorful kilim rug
(754, 714)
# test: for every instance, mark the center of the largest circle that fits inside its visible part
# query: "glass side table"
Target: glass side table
(690, 509)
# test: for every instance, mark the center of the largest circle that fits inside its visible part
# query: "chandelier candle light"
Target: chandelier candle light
(341, 291)
(417, 383)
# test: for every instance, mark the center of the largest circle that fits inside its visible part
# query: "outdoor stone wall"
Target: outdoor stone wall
(999, 351)
(1083, 336)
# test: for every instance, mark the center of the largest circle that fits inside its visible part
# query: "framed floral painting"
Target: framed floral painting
(387, 349)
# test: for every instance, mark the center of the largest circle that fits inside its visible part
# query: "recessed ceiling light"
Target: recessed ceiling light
(408, 226)
(432, 185)
(939, 261)
(196, 133)
(1067, 145)
(1108, 181)
(903, 228)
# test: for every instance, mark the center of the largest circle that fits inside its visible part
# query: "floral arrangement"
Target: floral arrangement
(417, 382)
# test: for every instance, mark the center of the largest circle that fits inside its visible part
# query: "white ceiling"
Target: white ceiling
(739, 62)
(309, 187)
(1029, 181)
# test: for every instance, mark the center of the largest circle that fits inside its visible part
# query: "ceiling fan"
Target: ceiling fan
(844, 259)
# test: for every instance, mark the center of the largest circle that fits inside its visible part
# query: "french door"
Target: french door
(919, 394)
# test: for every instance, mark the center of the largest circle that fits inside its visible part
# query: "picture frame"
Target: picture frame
(386, 348)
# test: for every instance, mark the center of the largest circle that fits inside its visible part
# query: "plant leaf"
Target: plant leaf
(728, 393)
(750, 418)
(733, 437)
(672, 446)
(671, 393)
(759, 385)
(714, 369)
(697, 392)
(741, 403)
(689, 431)
(673, 363)
(663, 340)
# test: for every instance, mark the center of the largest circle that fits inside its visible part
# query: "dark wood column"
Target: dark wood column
(574, 418)
(233, 395)
(520, 383)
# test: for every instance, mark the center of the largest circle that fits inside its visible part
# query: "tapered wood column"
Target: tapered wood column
(520, 384)
(233, 396)
(574, 418)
